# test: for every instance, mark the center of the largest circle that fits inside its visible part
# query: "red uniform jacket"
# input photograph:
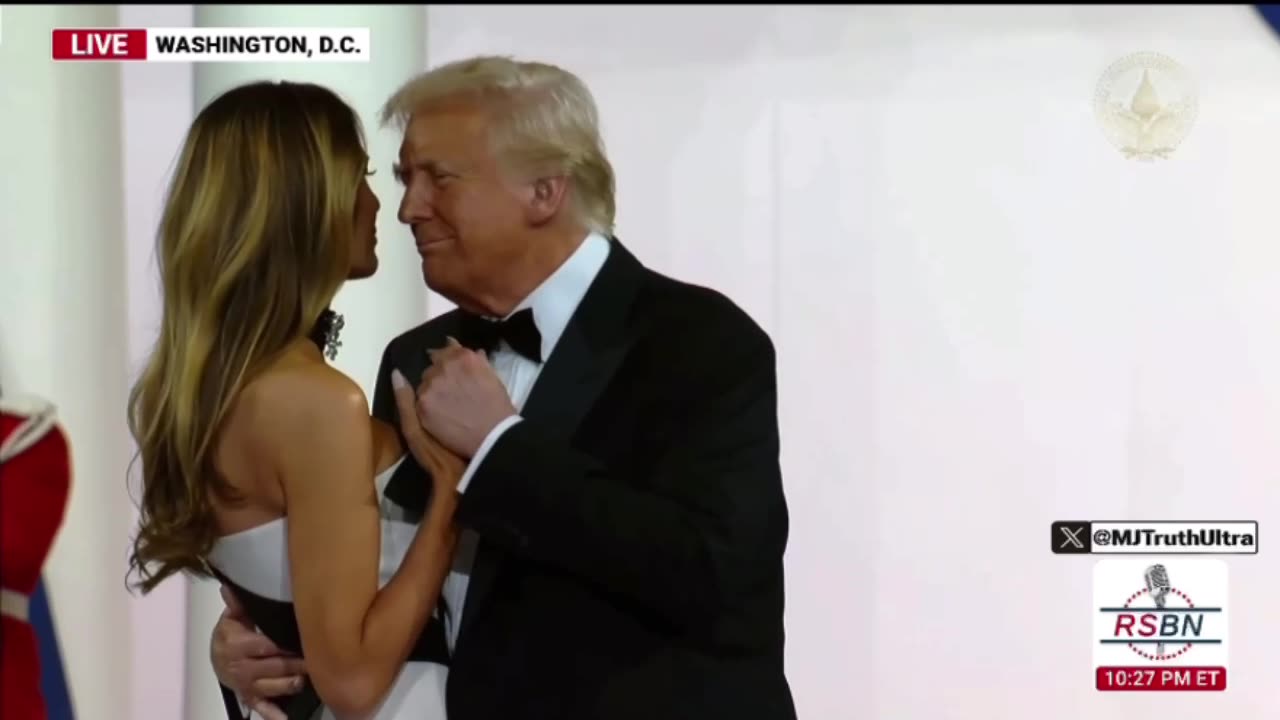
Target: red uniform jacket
(35, 478)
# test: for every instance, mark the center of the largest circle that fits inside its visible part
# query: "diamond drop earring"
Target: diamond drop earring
(331, 333)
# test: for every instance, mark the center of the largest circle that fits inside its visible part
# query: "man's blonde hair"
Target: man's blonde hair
(545, 123)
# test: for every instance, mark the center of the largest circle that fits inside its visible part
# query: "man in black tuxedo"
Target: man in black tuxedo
(623, 514)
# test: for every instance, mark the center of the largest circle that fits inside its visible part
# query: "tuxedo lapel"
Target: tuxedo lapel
(584, 360)
(590, 349)
(572, 380)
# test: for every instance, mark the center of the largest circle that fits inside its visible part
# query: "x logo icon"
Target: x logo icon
(1071, 537)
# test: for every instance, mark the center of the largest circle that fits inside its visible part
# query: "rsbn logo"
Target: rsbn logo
(1156, 615)
(1159, 621)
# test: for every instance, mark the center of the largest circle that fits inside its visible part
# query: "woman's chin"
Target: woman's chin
(363, 270)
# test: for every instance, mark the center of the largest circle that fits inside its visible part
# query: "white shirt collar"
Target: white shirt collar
(557, 298)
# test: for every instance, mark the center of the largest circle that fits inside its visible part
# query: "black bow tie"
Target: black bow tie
(519, 330)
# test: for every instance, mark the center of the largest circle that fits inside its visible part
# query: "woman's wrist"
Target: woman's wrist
(443, 504)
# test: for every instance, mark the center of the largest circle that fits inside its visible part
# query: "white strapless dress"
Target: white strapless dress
(258, 561)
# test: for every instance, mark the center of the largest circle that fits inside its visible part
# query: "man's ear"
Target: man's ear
(545, 198)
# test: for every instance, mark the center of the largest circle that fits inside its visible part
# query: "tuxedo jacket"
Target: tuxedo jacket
(632, 526)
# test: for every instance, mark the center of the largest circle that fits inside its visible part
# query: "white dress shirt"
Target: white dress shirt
(553, 303)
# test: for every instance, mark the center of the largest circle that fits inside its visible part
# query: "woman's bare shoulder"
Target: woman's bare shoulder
(292, 405)
(305, 387)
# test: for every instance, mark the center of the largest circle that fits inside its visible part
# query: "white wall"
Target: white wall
(157, 109)
(987, 319)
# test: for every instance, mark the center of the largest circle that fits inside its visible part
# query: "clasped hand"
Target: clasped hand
(458, 403)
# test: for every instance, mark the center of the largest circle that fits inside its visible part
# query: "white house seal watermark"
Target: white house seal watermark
(1146, 104)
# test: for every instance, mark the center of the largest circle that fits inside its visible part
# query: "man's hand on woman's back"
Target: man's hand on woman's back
(250, 664)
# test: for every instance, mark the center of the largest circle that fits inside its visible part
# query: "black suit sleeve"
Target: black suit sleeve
(710, 525)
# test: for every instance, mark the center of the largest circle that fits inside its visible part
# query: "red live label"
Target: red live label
(99, 44)
(1154, 678)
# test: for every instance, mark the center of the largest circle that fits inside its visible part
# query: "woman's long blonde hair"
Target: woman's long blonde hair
(253, 244)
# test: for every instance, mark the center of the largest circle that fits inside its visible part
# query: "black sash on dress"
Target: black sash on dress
(277, 620)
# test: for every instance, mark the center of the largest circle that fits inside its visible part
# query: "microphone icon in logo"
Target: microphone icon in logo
(1157, 578)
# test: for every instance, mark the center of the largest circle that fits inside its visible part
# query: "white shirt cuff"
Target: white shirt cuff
(485, 447)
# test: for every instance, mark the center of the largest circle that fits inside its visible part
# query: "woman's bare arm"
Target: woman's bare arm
(355, 636)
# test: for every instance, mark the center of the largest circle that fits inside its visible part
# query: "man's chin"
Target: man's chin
(431, 275)
(438, 281)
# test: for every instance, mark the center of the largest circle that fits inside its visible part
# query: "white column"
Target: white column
(155, 112)
(62, 323)
(376, 309)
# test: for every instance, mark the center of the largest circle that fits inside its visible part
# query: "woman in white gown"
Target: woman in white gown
(261, 465)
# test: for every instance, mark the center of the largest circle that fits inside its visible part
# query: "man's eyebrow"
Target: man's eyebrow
(430, 165)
